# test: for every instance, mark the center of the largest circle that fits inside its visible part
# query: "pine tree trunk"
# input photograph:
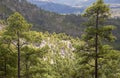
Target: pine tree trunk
(96, 47)
(18, 47)
(5, 68)
(27, 68)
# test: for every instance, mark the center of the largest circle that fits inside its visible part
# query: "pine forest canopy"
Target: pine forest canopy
(26, 53)
(51, 22)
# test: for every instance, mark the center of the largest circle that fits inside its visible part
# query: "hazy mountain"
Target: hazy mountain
(56, 7)
(76, 2)
(70, 6)
(65, 2)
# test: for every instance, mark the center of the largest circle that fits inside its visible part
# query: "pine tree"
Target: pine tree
(17, 25)
(97, 32)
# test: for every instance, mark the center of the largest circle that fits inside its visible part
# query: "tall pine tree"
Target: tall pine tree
(17, 25)
(97, 32)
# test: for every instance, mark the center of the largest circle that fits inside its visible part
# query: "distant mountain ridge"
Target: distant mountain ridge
(71, 6)
(58, 8)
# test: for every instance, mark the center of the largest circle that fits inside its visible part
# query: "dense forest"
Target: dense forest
(58, 46)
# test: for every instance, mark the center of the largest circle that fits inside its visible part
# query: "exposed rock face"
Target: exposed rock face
(1, 27)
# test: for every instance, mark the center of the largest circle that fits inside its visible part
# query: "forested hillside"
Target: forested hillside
(32, 45)
(43, 55)
(49, 21)
(43, 20)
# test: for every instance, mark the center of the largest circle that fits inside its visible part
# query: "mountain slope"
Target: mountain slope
(55, 7)
(70, 6)
(43, 20)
